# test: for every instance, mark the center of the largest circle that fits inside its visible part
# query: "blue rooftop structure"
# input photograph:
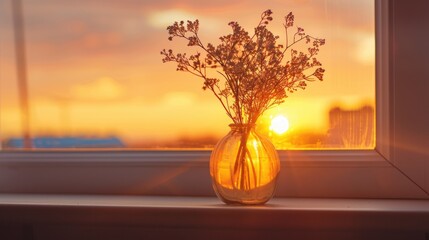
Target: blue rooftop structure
(67, 142)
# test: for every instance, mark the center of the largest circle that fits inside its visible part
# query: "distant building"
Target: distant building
(66, 142)
(351, 128)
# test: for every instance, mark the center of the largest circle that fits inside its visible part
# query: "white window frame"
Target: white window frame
(322, 173)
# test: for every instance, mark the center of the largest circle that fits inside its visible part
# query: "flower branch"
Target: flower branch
(253, 74)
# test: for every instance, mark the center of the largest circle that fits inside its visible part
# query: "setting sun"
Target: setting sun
(279, 124)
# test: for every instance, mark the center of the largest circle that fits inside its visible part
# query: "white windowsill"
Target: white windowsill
(319, 174)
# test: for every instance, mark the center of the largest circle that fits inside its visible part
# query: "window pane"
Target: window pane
(96, 79)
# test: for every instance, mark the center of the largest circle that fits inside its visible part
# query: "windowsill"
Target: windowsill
(210, 213)
(304, 174)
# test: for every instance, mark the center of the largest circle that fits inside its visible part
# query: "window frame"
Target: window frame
(304, 173)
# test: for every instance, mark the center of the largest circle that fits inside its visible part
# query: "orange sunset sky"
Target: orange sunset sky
(94, 67)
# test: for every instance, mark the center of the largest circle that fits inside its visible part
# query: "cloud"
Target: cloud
(104, 88)
(179, 99)
(164, 18)
(365, 50)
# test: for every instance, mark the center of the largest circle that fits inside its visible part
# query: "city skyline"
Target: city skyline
(351, 129)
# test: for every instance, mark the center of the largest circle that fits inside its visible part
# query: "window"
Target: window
(395, 169)
(95, 76)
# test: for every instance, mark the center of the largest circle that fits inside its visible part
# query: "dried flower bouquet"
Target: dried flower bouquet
(248, 74)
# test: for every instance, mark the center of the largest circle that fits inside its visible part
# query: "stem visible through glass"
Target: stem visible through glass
(244, 166)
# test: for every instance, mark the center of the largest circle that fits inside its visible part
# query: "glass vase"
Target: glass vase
(244, 167)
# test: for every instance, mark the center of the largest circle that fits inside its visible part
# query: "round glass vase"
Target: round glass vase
(244, 167)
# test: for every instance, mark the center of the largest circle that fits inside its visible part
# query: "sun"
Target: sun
(279, 124)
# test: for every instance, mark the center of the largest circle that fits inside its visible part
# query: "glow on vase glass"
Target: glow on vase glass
(279, 124)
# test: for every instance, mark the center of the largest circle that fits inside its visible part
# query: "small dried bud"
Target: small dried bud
(319, 73)
(289, 19)
(192, 41)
